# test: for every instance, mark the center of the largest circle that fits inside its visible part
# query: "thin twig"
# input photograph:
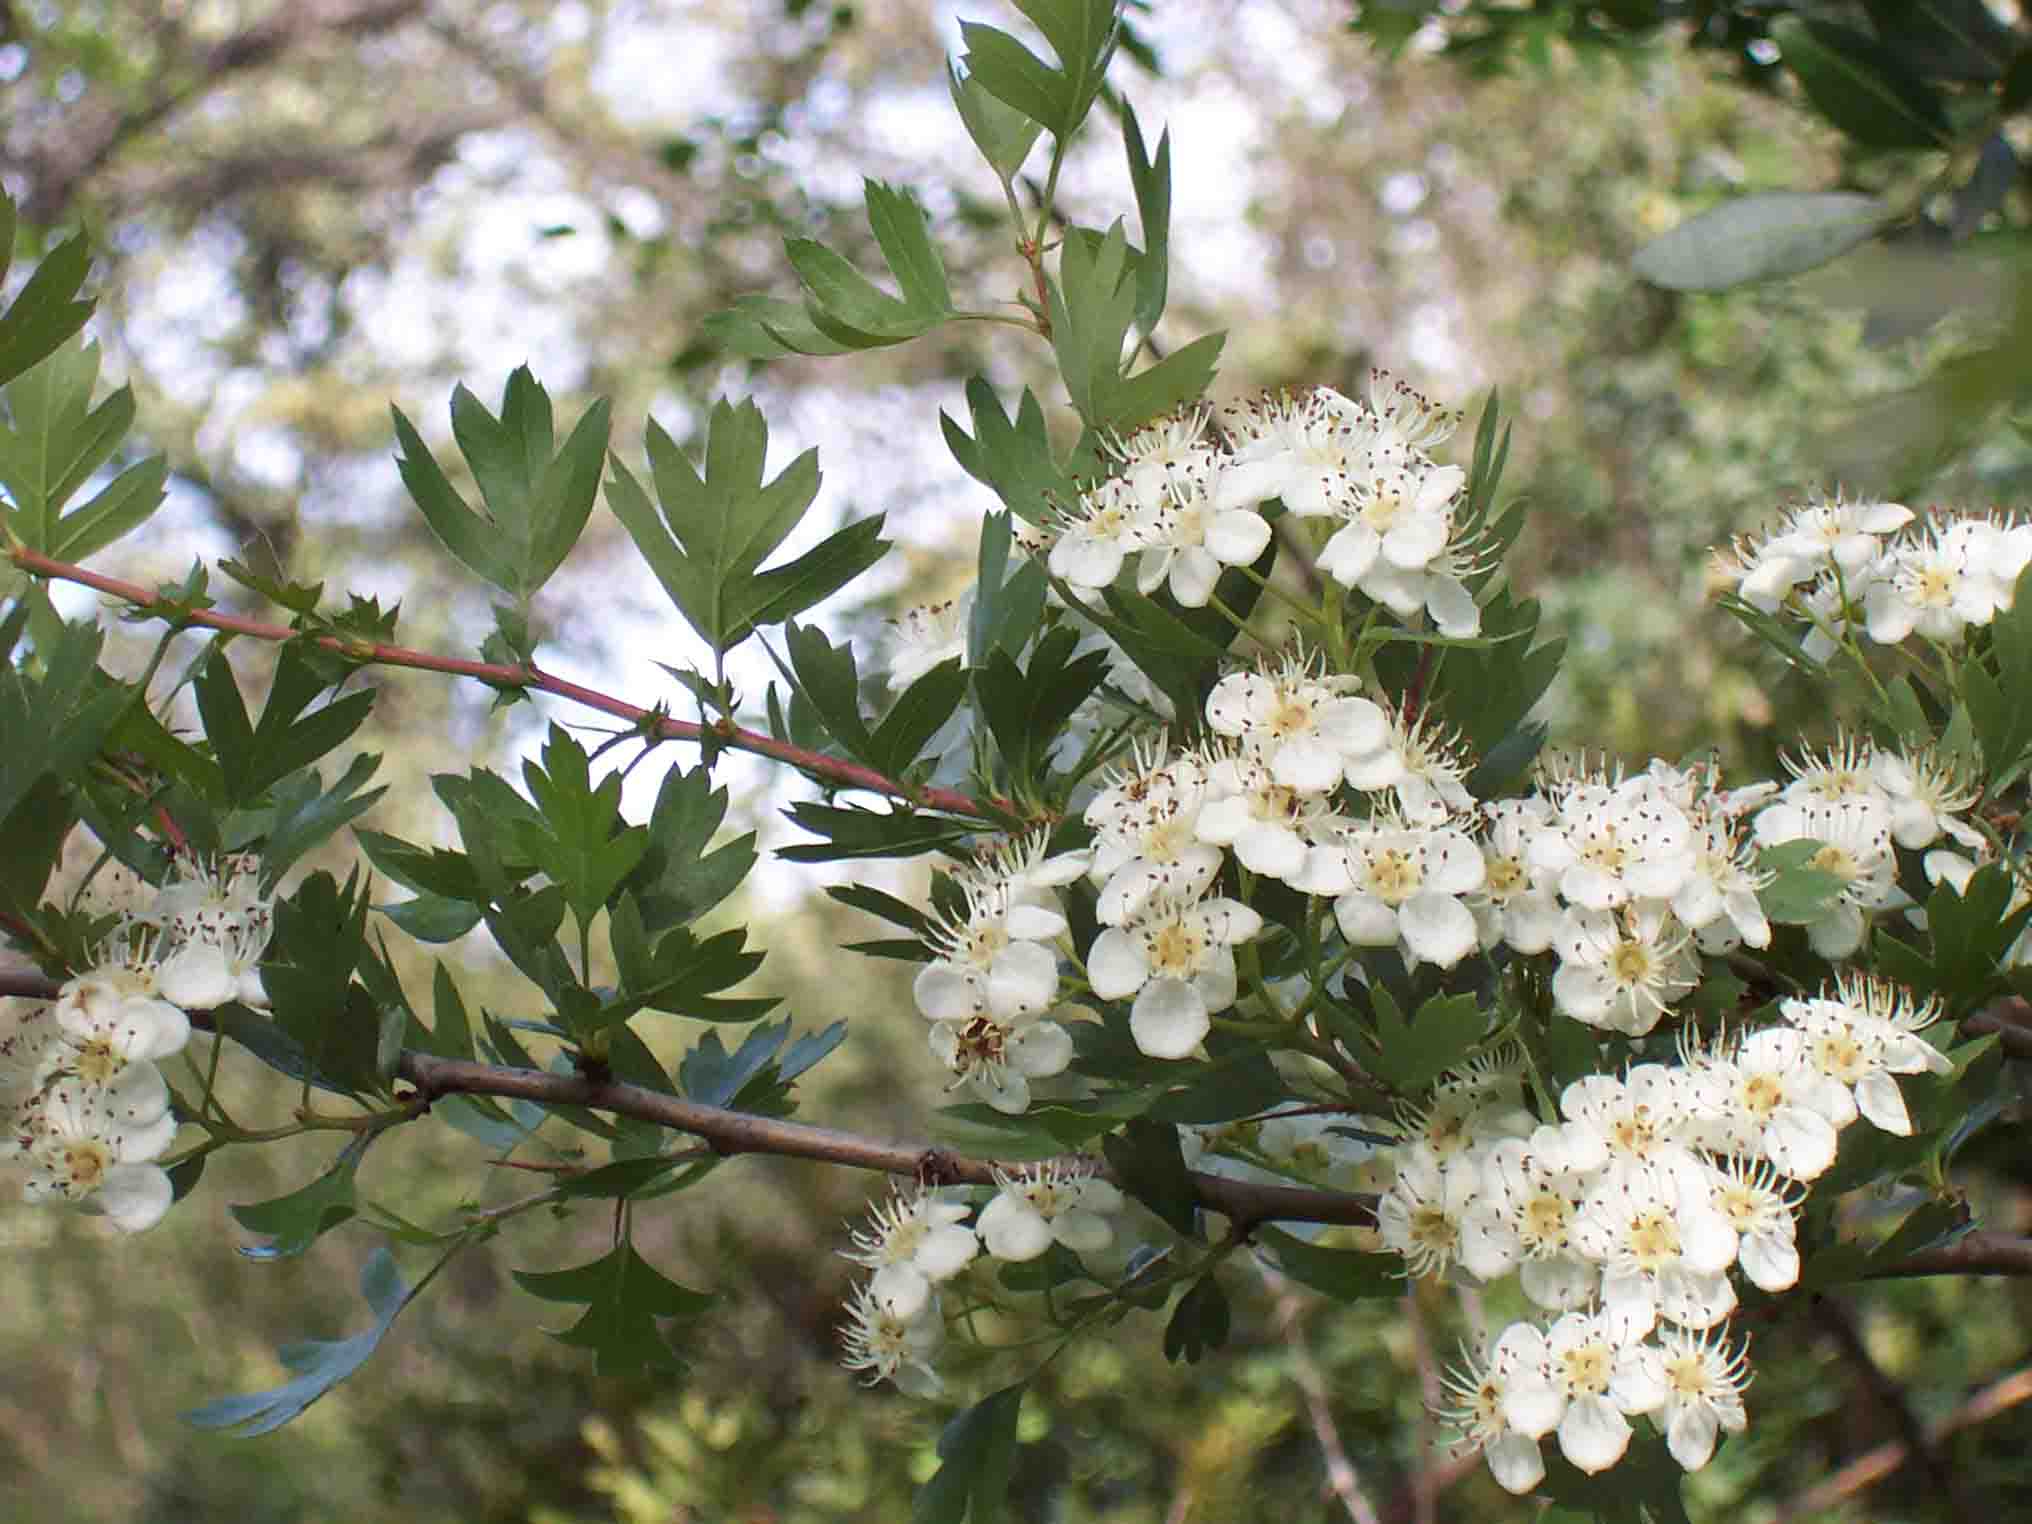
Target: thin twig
(1868, 1469)
(1341, 1479)
(832, 771)
(1838, 1322)
(1424, 1495)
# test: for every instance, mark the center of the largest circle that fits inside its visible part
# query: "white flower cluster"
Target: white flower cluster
(1187, 501)
(84, 1109)
(920, 1239)
(1835, 566)
(1625, 1218)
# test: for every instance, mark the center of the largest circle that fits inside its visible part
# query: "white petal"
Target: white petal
(1691, 1435)
(1438, 928)
(946, 1250)
(1799, 1142)
(1169, 1019)
(1237, 536)
(1770, 1261)
(1593, 1434)
(1117, 965)
(1532, 1405)
(1040, 1050)
(1082, 1232)
(1879, 1098)
(901, 1289)
(134, 1196)
(1024, 979)
(1365, 920)
(1012, 1229)
(944, 993)
(1515, 1462)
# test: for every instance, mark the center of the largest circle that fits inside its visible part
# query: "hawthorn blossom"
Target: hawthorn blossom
(1926, 793)
(1199, 526)
(1718, 901)
(929, 636)
(115, 1009)
(1862, 1035)
(1397, 514)
(1271, 826)
(912, 1241)
(1176, 957)
(1524, 1214)
(1763, 1208)
(1094, 540)
(1704, 1379)
(1938, 585)
(1048, 1203)
(1306, 728)
(998, 1058)
(1855, 838)
(1145, 839)
(1622, 970)
(94, 1146)
(1611, 844)
(1767, 1100)
(1579, 1379)
(1630, 1128)
(1401, 886)
(1664, 1252)
(891, 1346)
(1815, 538)
(1517, 904)
(1477, 1396)
(1423, 1214)
(994, 960)
(1439, 588)
(1421, 763)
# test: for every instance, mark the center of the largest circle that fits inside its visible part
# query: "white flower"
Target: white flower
(1816, 537)
(1610, 845)
(1271, 825)
(1175, 957)
(1629, 1128)
(1525, 1210)
(1518, 904)
(995, 960)
(913, 1241)
(999, 1058)
(93, 1146)
(1938, 585)
(1422, 1215)
(1144, 827)
(1862, 1035)
(1439, 587)
(1397, 514)
(1762, 1208)
(1767, 1099)
(928, 636)
(1399, 885)
(229, 889)
(1306, 729)
(1476, 1397)
(1718, 901)
(1926, 793)
(1199, 526)
(219, 965)
(1623, 969)
(1704, 1381)
(1093, 542)
(1855, 837)
(117, 1007)
(885, 1345)
(1047, 1203)
(1664, 1252)
(1581, 1380)
(1421, 763)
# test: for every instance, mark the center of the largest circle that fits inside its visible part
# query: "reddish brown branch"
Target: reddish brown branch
(1872, 1467)
(834, 772)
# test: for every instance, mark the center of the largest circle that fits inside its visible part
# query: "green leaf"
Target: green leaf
(320, 935)
(319, 1365)
(976, 1451)
(1198, 1323)
(1760, 237)
(916, 716)
(678, 879)
(45, 312)
(1151, 181)
(580, 840)
(1147, 1164)
(850, 831)
(832, 683)
(768, 328)
(1799, 894)
(1410, 1056)
(253, 757)
(53, 441)
(1343, 1274)
(305, 814)
(1003, 135)
(625, 1298)
(292, 1223)
(1863, 88)
(706, 535)
(1014, 458)
(537, 502)
(55, 723)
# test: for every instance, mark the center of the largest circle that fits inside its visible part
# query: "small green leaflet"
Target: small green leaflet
(537, 502)
(705, 536)
(318, 1364)
(294, 1222)
(1004, 135)
(1093, 303)
(625, 1297)
(46, 311)
(579, 838)
(851, 310)
(1343, 1274)
(976, 1452)
(1083, 33)
(1410, 1056)
(254, 756)
(53, 441)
